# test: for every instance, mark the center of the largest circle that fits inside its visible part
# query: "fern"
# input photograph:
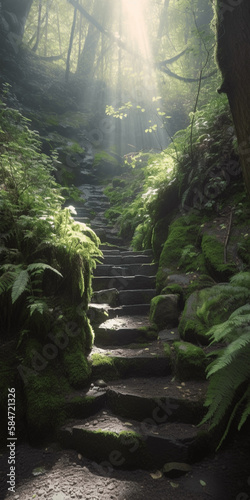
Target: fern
(229, 373)
(39, 306)
(241, 279)
(38, 267)
(19, 285)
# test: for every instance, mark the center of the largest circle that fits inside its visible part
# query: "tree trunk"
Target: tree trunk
(87, 58)
(20, 9)
(233, 54)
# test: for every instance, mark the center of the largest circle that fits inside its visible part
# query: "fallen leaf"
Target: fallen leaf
(38, 471)
(129, 423)
(174, 485)
(156, 475)
(203, 483)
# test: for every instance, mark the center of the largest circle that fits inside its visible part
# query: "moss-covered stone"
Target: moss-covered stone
(116, 449)
(209, 307)
(181, 250)
(76, 365)
(44, 394)
(159, 236)
(213, 251)
(190, 361)
(104, 367)
(165, 311)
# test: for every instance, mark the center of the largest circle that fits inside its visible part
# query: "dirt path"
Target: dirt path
(66, 475)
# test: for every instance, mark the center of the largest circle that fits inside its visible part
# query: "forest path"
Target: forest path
(137, 415)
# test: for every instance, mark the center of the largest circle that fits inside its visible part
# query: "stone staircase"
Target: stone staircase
(136, 412)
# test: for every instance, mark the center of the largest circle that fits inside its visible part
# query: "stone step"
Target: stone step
(106, 247)
(124, 330)
(140, 398)
(130, 310)
(117, 259)
(98, 313)
(113, 240)
(111, 364)
(116, 298)
(84, 220)
(99, 198)
(114, 442)
(140, 296)
(125, 270)
(98, 205)
(123, 283)
(84, 403)
(124, 253)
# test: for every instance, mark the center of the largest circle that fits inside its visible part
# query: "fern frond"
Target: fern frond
(224, 383)
(41, 307)
(40, 266)
(230, 421)
(231, 351)
(230, 329)
(6, 281)
(241, 311)
(19, 285)
(241, 279)
(246, 412)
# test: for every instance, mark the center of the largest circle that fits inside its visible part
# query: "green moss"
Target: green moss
(117, 449)
(104, 367)
(164, 310)
(213, 252)
(103, 156)
(244, 249)
(181, 249)
(190, 361)
(45, 394)
(209, 307)
(168, 353)
(75, 364)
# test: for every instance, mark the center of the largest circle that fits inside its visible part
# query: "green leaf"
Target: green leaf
(40, 266)
(40, 307)
(203, 483)
(19, 285)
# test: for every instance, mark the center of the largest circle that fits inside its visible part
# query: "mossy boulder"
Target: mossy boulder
(213, 251)
(106, 165)
(181, 250)
(211, 306)
(190, 361)
(165, 310)
(159, 236)
(103, 367)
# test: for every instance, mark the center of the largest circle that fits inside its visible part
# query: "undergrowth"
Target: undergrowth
(228, 396)
(46, 264)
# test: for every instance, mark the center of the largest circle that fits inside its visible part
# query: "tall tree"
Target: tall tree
(20, 9)
(233, 55)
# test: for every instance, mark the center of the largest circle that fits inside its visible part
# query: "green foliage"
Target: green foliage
(190, 361)
(45, 404)
(213, 251)
(46, 264)
(181, 250)
(209, 307)
(42, 249)
(228, 396)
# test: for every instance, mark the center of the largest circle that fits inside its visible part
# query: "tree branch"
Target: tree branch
(161, 66)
